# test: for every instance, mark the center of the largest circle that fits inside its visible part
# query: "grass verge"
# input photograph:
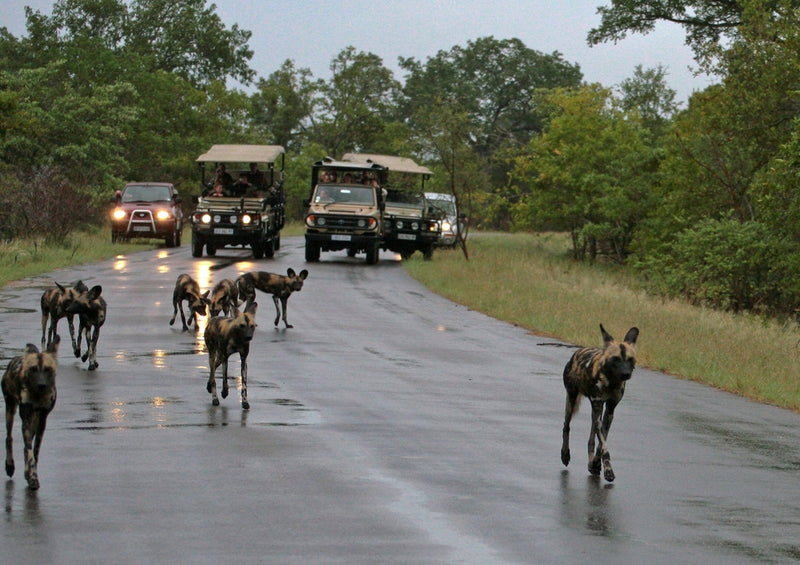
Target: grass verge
(527, 280)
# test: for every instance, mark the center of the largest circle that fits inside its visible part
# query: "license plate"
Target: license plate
(223, 231)
(409, 236)
(337, 237)
(141, 228)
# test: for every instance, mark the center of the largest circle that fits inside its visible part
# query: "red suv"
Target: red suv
(147, 209)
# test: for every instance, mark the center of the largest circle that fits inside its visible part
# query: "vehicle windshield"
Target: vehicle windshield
(446, 206)
(137, 193)
(403, 197)
(331, 193)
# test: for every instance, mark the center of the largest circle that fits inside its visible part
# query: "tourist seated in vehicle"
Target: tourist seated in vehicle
(256, 177)
(242, 186)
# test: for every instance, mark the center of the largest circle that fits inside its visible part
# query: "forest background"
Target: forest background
(700, 201)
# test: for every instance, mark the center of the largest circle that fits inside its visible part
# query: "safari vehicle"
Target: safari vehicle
(147, 210)
(345, 209)
(452, 222)
(407, 227)
(249, 212)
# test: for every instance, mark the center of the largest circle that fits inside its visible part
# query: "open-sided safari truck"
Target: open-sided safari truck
(344, 209)
(247, 206)
(407, 227)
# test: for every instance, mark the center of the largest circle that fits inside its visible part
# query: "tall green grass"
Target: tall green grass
(528, 280)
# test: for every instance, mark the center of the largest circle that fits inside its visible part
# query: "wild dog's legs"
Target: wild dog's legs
(225, 378)
(30, 422)
(76, 347)
(11, 411)
(595, 463)
(243, 358)
(45, 317)
(211, 385)
(71, 326)
(572, 398)
(276, 300)
(284, 303)
(91, 348)
(602, 449)
(174, 311)
(39, 436)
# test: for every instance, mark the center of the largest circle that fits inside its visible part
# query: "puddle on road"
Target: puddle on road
(170, 412)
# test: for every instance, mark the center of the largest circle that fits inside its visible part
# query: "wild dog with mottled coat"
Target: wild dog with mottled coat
(29, 384)
(186, 288)
(224, 337)
(54, 303)
(280, 287)
(91, 311)
(224, 298)
(599, 375)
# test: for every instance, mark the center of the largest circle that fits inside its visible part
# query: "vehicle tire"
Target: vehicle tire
(258, 249)
(372, 254)
(276, 242)
(312, 252)
(114, 237)
(406, 255)
(211, 249)
(269, 249)
(197, 246)
(169, 241)
(427, 253)
(351, 252)
(178, 238)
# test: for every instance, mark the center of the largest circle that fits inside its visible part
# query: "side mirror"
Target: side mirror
(178, 199)
(117, 197)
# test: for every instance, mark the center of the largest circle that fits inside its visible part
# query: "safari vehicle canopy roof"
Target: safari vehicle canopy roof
(242, 154)
(391, 162)
(331, 163)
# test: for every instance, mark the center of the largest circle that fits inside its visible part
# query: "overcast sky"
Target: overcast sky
(313, 32)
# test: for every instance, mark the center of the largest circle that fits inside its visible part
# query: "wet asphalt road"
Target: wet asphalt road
(388, 426)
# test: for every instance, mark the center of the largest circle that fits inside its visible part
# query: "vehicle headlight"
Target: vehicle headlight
(446, 226)
(217, 218)
(118, 214)
(233, 219)
(163, 215)
(415, 226)
(246, 219)
(205, 218)
(399, 224)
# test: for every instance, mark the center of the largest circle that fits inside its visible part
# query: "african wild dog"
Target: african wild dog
(29, 384)
(224, 337)
(91, 311)
(186, 288)
(600, 376)
(224, 298)
(54, 304)
(279, 286)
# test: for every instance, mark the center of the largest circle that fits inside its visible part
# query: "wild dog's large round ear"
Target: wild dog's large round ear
(96, 291)
(290, 272)
(606, 336)
(631, 336)
(304, 274)
(30, 348)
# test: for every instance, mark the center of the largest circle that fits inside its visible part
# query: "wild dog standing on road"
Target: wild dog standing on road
(91, 310)
(186, 288)
(224, 298)
(29, 384)
(54, 304)
(224, 337)
(599, 375)
(279, 286)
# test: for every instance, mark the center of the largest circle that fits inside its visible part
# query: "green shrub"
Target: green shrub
(729, 265)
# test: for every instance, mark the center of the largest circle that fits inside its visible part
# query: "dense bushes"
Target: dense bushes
(729, 265)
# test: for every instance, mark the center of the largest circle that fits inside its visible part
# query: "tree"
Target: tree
(590, 173)
(705, 21)
(494, 81)
(282, 106)
(352, 108)
(646, 92)
(443, 137)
